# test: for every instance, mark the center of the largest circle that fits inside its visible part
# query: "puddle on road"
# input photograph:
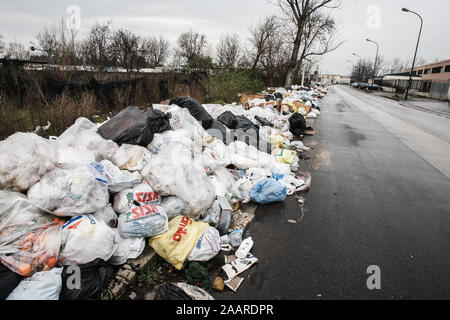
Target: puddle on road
(354, 137)
(322, 158)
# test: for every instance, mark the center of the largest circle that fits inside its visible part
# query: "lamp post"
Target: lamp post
(376, 59)
(415, 54)
(360, 59)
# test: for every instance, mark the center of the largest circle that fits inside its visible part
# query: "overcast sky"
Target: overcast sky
(380, 20)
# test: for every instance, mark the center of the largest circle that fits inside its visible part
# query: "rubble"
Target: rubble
(184, 179)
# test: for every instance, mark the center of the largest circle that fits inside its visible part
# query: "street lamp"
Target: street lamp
(362, 76)
(376, 59)
(415, 54)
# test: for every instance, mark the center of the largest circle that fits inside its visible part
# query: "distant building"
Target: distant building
(431, 80)
(434, 72)
(328, 78)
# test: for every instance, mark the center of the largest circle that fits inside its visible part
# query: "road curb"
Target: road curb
(127, 274)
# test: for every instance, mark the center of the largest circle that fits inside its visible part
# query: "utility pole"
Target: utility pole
(415, 54)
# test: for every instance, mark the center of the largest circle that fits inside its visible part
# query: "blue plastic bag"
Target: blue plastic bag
(268, 191)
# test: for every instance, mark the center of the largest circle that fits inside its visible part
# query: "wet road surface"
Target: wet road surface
(378, 197)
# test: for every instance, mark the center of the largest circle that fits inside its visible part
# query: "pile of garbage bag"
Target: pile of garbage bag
(168, 176)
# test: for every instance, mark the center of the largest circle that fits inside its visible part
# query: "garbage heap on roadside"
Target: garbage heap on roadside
(170, 177)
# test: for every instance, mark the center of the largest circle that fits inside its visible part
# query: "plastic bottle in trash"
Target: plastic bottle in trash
(236, 238)
(244, 248)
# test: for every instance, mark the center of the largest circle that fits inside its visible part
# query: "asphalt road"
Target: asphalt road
(380, 196)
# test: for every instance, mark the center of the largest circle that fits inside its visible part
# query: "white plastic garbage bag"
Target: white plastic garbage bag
(144, 221)
(207, 247)
(130, 157)
(44, 285)
(174, 206)
(143, 194)
(86, 238)
(24, 159)
(246, 156)
(107, 215)
(119, 180)
(173, 172)
(128, 248)
(81, 144)
(69, 193)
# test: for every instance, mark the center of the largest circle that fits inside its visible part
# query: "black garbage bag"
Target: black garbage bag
(135, 126)
(218, 131)
(169, 291)
(228, 119)
(9, 280)
(195, 109)
(95, 276)
(269, 97)
(264, 122)
(278, 95)
(297, 124)
(245, 124)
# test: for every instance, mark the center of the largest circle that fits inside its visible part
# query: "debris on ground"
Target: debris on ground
(182, 178)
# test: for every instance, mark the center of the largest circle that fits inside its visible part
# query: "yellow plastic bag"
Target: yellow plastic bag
(284, 156)
(276, 141)
(175, 245)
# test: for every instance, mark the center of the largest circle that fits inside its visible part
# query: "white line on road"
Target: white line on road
(432, 149)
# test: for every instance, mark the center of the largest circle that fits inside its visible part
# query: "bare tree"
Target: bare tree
(125, 49)
(155, 51)
(259, 39)
(2, 44)
(17, 50)
(97, 46)
(228, 51)
(310, 26)
(190, 45)
(58, 41)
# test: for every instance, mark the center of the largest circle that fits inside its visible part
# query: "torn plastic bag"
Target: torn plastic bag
(194, 292)
(86, 238)
(119, 180)
(9, 280)
(128, 248)
(141, 194)
(228, 119)
(94, 277)
(297, 124)
(69, 193)
(131, 158)
(107, 215)
(24, 159)
(268, 191)
(264, 121)
(44, 285)
(80, 144)
(175, 245)
(144, 221)
(135, 126)
(207, 246)
(30, 239)
(181, 291)
(295, 183)
(174, 206)
(195, 109)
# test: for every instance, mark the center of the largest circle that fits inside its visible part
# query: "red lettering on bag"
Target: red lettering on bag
(181, 229)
